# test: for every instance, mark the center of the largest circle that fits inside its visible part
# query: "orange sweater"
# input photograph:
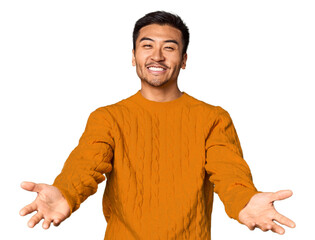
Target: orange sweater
(162, 161)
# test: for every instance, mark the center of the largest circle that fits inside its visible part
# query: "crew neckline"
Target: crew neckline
(140, 99)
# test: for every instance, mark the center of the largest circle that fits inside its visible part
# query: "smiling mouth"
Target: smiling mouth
(156, 69)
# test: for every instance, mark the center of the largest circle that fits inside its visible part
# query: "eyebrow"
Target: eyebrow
(166, 41)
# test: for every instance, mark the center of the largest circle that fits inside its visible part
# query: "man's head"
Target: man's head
(159, 52)
(162, 18)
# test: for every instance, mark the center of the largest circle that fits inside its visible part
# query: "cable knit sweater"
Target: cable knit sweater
(162, 162)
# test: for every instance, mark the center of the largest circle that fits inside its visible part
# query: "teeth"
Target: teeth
(156, 69)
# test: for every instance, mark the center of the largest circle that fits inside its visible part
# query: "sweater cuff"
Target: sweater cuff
(241, 200)
(70, 199)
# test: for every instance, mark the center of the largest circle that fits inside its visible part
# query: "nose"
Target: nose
(157, 55)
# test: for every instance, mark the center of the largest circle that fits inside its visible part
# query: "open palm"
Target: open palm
(261, 213)
(49, 204)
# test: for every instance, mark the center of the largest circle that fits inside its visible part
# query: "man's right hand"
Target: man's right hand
(50, 205)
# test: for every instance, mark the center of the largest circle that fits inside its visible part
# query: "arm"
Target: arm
(88, 162)
(228, 170)
(233, 181)
(80, 176)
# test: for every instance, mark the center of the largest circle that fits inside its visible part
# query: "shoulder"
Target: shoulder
(111, 113)
(100, 116)
(207, 109)
(119, 107)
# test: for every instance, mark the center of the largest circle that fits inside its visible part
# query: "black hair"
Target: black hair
(162, 18)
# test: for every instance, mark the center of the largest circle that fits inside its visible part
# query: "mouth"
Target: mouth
(157, 68)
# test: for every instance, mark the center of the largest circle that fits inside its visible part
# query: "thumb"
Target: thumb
(30, 186)
(282, 194)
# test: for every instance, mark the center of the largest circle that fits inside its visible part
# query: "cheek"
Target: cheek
(141, 56)
(175, 59)
(176, 64)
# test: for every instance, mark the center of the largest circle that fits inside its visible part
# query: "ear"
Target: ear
(133, 58)
(184, 60)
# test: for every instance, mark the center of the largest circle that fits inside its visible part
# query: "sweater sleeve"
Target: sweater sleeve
(228, 170)
(88, 162)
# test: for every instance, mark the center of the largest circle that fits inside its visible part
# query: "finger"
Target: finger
(277, 229)
(57, 222)
(46, 223)
(281, 195)
(35, 219)
(251, 226)
(28, 209)
(266, 226)
(30, 186)
(284, 220)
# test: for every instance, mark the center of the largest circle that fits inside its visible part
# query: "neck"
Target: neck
(160, 95)
(163, 93)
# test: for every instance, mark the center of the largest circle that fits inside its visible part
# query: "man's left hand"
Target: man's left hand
(260, 212)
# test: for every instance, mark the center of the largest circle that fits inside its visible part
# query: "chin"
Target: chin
(156, 83)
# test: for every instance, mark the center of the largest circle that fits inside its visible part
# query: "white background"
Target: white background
(60, 60)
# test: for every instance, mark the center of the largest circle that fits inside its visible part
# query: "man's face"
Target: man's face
(158, 56)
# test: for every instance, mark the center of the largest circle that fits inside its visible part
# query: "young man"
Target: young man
(163, 152)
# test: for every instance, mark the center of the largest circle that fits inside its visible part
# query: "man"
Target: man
(163, 152)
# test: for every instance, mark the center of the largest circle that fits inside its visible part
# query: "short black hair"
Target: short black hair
(162, 18)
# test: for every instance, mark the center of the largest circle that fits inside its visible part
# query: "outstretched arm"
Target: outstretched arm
(233, 181)
(80, 176)
(49, 204)
(260, 212)
(228, 171)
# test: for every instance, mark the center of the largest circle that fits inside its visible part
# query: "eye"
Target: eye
(147, 46)
(169, 48)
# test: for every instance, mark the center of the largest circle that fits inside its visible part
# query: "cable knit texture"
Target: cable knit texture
(162, 162)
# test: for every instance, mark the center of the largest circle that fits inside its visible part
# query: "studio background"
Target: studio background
(60, 60)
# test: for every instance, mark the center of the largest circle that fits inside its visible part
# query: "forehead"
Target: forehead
(160, 32)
